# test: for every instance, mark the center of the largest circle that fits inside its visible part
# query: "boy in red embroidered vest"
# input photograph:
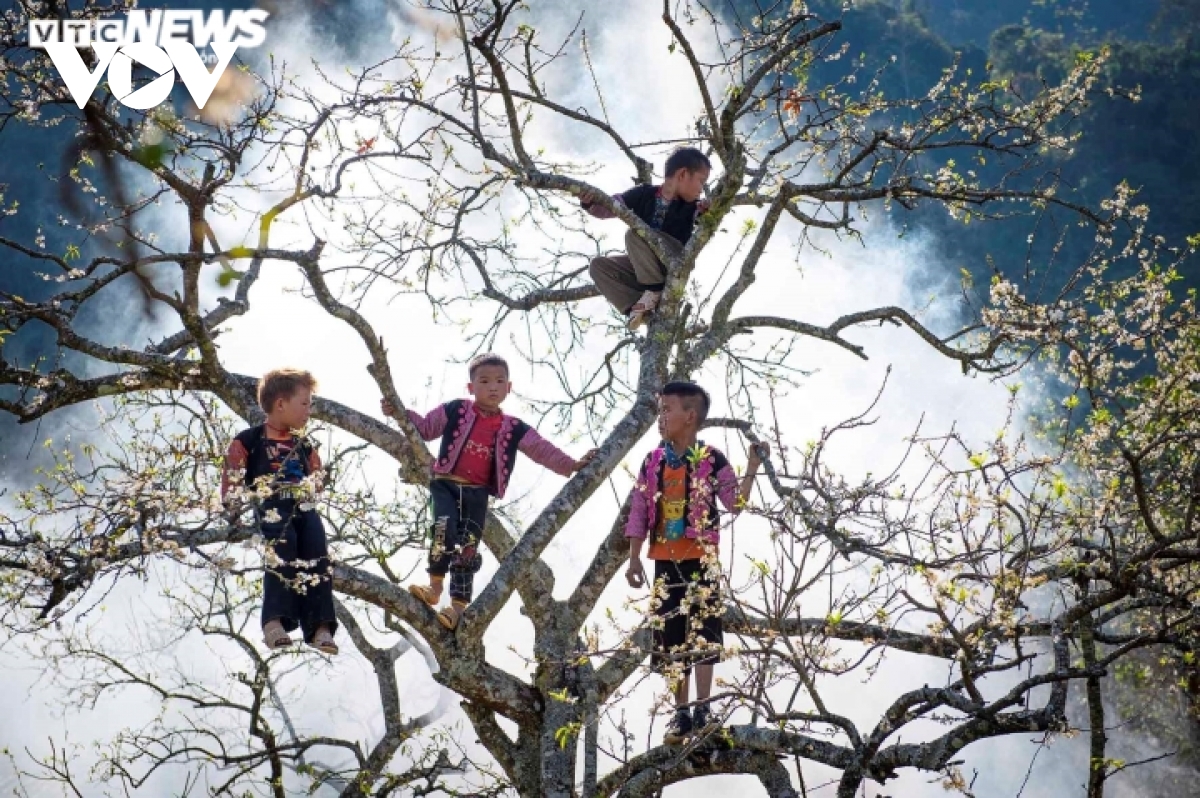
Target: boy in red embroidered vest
(282, 466)
(479, 446)
(674, 503)
(633, 282)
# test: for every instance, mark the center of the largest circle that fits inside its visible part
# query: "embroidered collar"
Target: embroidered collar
(675, 461)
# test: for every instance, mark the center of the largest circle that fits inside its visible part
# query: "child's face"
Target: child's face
(675, 419)
(489, 385)
(689, 186)
(293, 411)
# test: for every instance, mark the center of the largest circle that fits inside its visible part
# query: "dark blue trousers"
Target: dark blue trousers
(459, 513)
(297, 596)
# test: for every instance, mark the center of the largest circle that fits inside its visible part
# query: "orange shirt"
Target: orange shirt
(668, 542)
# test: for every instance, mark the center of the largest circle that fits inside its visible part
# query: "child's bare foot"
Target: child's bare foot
(275, 636)
(426, 594)
(642, 309)
(323, 641)
(450, 616)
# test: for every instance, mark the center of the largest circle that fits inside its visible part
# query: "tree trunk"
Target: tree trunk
(1097, 769)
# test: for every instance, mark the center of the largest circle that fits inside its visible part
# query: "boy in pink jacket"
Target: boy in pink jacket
(479, 446)
(675, 505)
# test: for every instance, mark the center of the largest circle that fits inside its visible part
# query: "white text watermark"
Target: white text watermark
(164, 41)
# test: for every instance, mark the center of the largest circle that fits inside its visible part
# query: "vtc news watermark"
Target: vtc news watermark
(163, 41)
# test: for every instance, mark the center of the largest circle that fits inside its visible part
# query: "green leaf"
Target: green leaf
(151, 156)
(564, 734)
(227, 276)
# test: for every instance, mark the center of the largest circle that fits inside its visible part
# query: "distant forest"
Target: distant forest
(1153, 48)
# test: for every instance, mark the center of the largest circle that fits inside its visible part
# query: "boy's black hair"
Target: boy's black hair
(486, 359)
(688, 158)
(693, 396)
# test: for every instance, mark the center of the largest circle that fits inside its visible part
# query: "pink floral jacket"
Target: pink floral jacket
(453, 421)
(710, 478)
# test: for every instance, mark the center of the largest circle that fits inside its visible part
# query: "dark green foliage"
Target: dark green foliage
(1177, 21)
(1031, 57)
(973, 21)
(1151, 144)
(1033, 43)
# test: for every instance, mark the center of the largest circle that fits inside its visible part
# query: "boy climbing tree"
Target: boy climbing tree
(477, 454)
(633, 282)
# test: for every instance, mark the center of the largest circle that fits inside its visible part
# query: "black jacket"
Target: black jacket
(680, 218)
(257, 463)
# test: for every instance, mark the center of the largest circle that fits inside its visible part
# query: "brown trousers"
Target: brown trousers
(623, 278)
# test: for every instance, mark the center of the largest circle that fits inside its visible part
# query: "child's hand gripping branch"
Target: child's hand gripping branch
(584, 461)
(476, 458)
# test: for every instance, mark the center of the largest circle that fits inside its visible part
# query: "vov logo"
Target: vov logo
(163, 41)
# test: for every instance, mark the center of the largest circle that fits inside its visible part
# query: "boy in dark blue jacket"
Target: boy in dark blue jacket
(279, 464)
